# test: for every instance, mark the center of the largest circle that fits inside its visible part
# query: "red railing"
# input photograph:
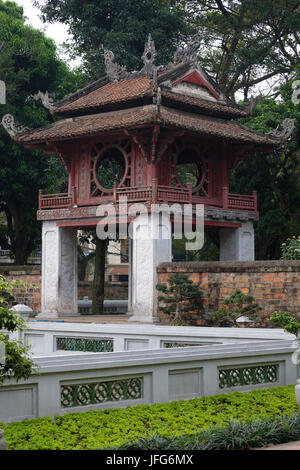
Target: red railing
(157, 194)
(57, 201)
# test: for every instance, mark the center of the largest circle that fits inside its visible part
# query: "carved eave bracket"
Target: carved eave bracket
(237, 154)
(146, 139)
(12, 127)
(287, 129)
(65, 156)
(153, 143)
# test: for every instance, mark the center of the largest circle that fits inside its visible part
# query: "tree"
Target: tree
(274, 176)
(235, 306)
(180, 297)
(28, 63)
(99, 256)
(246, 42)
(118, 25)
(17, 361)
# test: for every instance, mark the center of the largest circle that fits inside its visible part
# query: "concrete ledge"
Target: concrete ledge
(230, 266)
(19, 270)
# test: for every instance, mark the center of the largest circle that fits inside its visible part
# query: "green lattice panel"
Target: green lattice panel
(101, 392)
(84, 344)
(252, 375)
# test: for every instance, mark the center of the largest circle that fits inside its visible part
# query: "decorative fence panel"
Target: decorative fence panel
(83, 381)
(48, 337)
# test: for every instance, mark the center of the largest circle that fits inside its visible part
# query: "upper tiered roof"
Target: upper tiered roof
(178, 96)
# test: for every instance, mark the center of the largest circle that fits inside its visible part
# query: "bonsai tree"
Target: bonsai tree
(235, 306)
(16, 361)
(179, 297)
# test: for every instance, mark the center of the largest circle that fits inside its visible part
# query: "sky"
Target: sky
(57, 31)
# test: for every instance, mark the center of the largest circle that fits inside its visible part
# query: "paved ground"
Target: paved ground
(288, 446)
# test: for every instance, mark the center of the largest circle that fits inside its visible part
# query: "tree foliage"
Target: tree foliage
(287, 321)
(119, 25)
(245, 42)
(28, 63)
(179, 298)
(235, 306)
(274, 175)
(18, 363)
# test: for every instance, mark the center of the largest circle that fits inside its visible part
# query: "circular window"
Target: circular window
(189, 167)
(110, 168)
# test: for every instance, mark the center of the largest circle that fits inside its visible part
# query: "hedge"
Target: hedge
(113, 428)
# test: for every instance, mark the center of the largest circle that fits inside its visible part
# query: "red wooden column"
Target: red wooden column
(151, 173)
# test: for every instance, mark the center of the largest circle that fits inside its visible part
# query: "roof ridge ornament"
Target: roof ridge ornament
(287, 128)
(14, 129)
(46, 98)
(189, 52)
(149, 56)
(114, 71)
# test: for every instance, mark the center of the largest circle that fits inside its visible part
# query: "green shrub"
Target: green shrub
(17, 361)
(237, 305)
(113, 428)
(179, 299)
(291, 249)
(287, 321)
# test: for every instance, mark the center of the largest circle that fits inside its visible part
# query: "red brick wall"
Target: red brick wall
(111, 290)
(31, 294)
(274, 284)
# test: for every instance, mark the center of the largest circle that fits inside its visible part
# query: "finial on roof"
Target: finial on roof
(13, 128)
(149, 57)
(288, 127)
(114, 71)
(46, 98)
(189, 52)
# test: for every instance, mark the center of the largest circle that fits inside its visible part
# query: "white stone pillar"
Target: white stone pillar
(130, 249)
(237, 244)
(151, 245)
(59, 271)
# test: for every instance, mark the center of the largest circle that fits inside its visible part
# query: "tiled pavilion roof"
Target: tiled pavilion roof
(145, 116)
(110, 93)
(180, 96)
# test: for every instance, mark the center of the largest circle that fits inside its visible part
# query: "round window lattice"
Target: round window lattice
(190, 166)
(110, 166)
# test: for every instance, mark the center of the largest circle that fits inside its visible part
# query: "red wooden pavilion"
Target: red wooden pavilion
(162, 135)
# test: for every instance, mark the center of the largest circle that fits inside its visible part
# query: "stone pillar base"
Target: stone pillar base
(145, 319)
